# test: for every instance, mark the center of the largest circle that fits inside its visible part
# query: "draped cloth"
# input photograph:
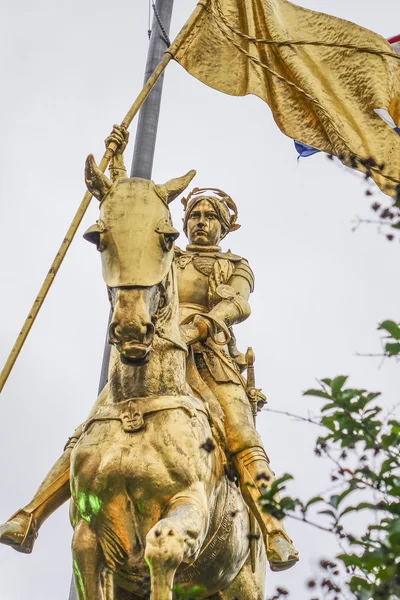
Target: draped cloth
(322, 93)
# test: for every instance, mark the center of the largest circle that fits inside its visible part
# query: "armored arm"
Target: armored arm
(119, 136)
(232, 308)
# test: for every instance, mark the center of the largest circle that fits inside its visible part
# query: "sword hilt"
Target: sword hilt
(251, 382)
(256, 398)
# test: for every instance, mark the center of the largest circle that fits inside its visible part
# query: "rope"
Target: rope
(148, 21)
(163, 30)
(254, 40)
(352, 156)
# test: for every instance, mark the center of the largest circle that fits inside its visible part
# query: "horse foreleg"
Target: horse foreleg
(176, 538)
(88, 563)
(108, 585)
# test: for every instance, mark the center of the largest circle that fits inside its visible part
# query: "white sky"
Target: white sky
(69, 71)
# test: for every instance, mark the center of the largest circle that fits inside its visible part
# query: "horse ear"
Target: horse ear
(171, 190)
(97, 183)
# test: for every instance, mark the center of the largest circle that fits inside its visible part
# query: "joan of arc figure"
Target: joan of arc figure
(214, 288)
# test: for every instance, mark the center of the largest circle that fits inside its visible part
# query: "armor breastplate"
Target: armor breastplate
(196, 271)
(192, 284)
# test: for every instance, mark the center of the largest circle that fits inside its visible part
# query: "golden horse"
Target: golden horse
(151, 504)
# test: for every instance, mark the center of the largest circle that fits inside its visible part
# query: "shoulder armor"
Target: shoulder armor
(229, 256)
(244, 270)
(178, 251)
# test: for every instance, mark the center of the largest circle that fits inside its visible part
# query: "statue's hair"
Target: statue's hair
(222, 204)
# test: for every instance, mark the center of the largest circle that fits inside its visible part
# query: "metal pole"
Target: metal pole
(145, 142)
(146, 133)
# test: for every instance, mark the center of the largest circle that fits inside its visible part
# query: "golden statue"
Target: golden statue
(152, 471)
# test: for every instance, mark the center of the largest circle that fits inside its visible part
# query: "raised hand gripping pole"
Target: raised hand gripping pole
(151, 82)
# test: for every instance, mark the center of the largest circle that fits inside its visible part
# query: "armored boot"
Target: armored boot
(254, 472)
(19, 532)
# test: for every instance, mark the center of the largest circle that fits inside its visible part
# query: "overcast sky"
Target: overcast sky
(69, 71)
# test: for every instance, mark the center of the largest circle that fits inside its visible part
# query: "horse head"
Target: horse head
(135, 237)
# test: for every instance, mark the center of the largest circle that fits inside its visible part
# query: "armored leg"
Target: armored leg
(254, 472)
(252, 466)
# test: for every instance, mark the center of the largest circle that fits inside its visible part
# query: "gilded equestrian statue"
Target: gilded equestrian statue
(145, 486)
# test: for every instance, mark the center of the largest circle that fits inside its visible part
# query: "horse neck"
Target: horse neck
(165, 372)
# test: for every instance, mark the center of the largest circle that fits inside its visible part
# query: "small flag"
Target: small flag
(395, 41)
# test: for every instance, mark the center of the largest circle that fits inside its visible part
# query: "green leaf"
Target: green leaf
(337, 384)
(334, 500)
(327, 512)
(329, 406)
(283, 479)
(353, 485)
(361, 506)
(350, 560)
(392, 328)
(330, 423)
(319, 393)
(392, 349)
(357, 583)
(314, 501)
(387, 465)
(373, 395)
(390, 440)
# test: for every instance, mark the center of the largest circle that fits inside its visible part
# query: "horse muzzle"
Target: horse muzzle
(134, 353)
(133, 342)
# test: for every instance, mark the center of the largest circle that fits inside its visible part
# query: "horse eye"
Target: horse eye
(167, 241)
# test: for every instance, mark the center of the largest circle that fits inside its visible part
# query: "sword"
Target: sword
(256, 398)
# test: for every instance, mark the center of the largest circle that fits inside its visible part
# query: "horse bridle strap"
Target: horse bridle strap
(132, 412)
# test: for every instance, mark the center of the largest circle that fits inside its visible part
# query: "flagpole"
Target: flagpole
(103, 164)
(146, 135)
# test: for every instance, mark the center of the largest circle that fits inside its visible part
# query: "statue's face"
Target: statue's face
(203, 226)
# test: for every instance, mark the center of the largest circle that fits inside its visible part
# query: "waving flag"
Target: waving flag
(322, 77)
(304, 151)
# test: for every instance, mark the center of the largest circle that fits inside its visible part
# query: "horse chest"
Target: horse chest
(149, 463)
